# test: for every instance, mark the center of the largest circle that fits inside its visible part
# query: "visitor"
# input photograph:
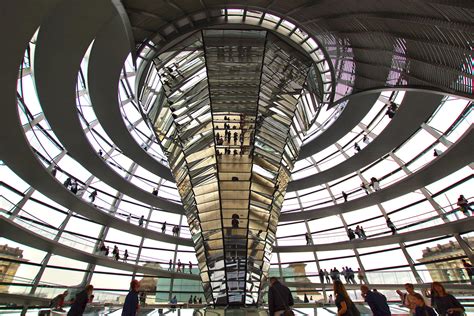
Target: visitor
(173, 303)
(463, 205)
(357, 232)
(129, 217)
(350, 234)
(469, 270)
(326, 276)
(330, 299)
(54, 170)
(345, 274)
(351, 275)
(100, 153)
(81, 300)
(365, 187)
(321, 276)
(444, 303)
(190, 301)
(306, 299)
(376, 301)
(200, 300)
(140, 221)
(408, 298)
(279, 298)
(102, 249)
(361, 276)
(391, 226)
(74, 187)
(335, 274)
(392, 109)
(235, 221)
(116, 253)
(344, 304)
(92, 196)
(421, 309)
(170, 268)
(131, 305)
(366, 139)
(356, 147)
(163, 228)
(107, 251)
(179, 266)
(374, 183)
(190, 267)
(308, 239)
(68, 182)
(344, 196)
(57, 303)
(125, 255)
(195, 301)
(362, 233)
(155, 191)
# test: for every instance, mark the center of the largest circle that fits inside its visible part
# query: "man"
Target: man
(391, 226)
(408, 299)
(279, 298)
(92, 196)
(344, 196)
(326, 276)
(350, 234)
(469, 269)
(376, 301)
(163, 228)
(321, 276)
(463, 205)
(131, 305)
(80, 302)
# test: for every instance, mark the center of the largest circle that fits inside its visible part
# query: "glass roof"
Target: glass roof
(432, 205)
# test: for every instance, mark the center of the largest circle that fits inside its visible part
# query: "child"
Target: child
(421, 308)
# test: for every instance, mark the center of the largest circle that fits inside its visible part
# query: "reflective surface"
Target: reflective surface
(231, 120)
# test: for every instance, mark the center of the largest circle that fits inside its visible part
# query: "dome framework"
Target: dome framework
(376, 53)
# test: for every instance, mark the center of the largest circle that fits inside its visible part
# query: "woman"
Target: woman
(345, 306)
(421, 308)
(444, 303)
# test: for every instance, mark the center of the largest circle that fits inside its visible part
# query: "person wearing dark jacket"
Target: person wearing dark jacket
(279, 298)
(376, 301)
(131, 305)
(421, 308)
(80, 302)
(444, 303)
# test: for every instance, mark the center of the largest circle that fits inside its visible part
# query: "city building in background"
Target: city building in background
(9, 267)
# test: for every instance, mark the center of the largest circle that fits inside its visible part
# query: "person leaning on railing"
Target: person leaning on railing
(444, 303)
(81, 300)
(408, 298)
